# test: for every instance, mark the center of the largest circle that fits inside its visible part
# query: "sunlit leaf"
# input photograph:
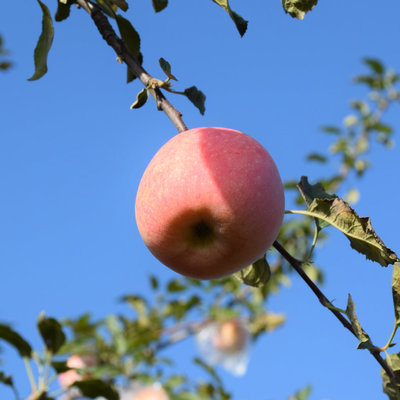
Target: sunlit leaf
(266, 322)
(298, 8)
(256, 274)
(393, 392)
(141, 99)
(241, 24)
(365, 341)
(396, 292)
(358, 230)
(16, 340)
(197, 97)
(302, 394)
(310, 192)
(44, 44)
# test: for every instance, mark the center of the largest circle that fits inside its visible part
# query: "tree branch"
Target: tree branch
(112, 39)
(297, 266)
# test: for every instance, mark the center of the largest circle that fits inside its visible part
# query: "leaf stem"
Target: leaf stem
(297, 266)
(30, 374)
(387, 345)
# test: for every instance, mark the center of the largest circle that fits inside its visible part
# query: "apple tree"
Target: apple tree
(122, 356)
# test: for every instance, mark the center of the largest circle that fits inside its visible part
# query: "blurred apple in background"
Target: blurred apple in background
(231, 337)
(69, 377)
(210, 202)
(151, 393)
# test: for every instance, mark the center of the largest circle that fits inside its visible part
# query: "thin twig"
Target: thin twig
(112, 39)
(297, 266)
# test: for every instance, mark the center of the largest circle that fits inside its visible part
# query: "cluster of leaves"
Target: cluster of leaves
(129, 348)
(352, 142)
(131, 39)
(132, 346)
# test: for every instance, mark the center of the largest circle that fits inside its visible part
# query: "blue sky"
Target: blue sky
(72, 154)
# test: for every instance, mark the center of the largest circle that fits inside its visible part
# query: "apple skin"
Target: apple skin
(210, 202)
(150, 393)
(69, 377)
(231, 337)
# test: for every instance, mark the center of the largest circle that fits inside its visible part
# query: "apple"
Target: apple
(210, 202)
(151, 393)
(69, 377)
(231, 337)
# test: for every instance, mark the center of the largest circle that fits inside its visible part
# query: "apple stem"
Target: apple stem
(297, 266)
(123, 54)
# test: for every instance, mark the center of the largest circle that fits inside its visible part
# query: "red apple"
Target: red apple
(231, 337)
(210, 202)
(151, 393)
(69, 377)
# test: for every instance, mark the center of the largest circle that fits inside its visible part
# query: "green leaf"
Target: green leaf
(132, 41)
(396, 292)
(166, 67)
(310, 192)
(302, 394)
(330, 129)
(44, 44)
(175, 285)
(316, 157)
(60, 366)
(375, 65)
(159, 5)
(210, 370)
(241, 24)
(141, 99)
(358, 230)
(6, 379)
(256, 274)
(122, 4)
(93, 388)
(63, 10)
(393, 361)
(365, 341)
(5, 65)
(16, 340)
(298, 8)
(51, 331)
(129, 35)
(197, 97)
(130, 76)
(153, 282)
(266, 322)
(107, 7)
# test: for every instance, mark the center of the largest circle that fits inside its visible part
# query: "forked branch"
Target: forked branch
(113, 40)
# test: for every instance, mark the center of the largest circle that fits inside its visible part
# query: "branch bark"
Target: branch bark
(297, 266)
(113, 40)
